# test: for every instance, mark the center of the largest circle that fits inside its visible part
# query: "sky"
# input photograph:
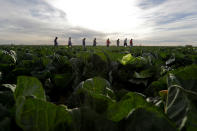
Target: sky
(148, 22)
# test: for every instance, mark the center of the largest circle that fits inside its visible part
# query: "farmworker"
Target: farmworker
(118, 42)
(69, 42)
(125, 42)
(108, 42)
(55, 41)
(131, 42)
(94, 42)
(84, 42)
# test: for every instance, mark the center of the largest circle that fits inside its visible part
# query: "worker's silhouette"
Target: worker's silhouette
(84, 42)
(94, 42)
(125, 42)
(55, 41)
(69, 42)
(118, 42)
(108, 42)
(131, 42)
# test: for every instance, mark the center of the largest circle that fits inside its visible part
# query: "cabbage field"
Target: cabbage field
(46, 88)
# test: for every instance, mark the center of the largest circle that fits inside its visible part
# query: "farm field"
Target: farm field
(47, 88)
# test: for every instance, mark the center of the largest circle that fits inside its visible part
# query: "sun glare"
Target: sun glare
(106, 16)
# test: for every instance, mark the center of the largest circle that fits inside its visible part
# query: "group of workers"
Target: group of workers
(108, 42)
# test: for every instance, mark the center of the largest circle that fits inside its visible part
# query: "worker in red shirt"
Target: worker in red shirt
(108, 42)
(131, 42)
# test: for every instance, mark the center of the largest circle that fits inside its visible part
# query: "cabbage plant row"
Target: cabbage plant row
(45, 88)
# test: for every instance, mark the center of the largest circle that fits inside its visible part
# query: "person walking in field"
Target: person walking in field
(55, 41)
(94, 42)
(108, 42)
(118, 42)
(125, 42)
(69, 42)
(84, 42)
(131, 42)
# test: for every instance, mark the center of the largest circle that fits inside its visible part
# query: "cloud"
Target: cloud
(172, 21)
(36, 22)
(146, 4)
